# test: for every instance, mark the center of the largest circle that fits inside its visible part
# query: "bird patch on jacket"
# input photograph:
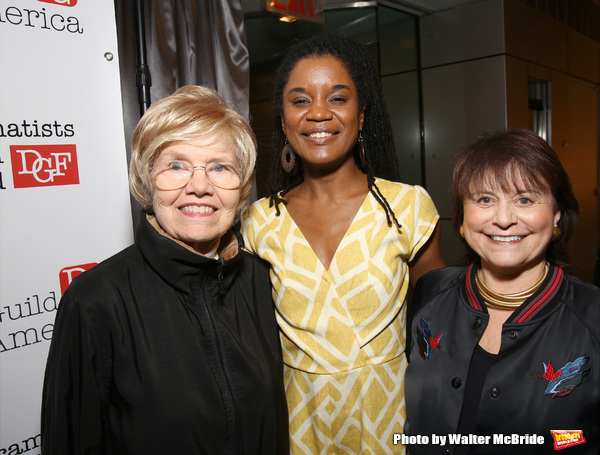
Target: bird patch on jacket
(427, 343)
(563, 381)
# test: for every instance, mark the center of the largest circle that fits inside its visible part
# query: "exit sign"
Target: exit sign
(307, 10)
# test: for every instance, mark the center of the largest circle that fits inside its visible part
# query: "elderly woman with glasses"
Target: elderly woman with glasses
(171, 346)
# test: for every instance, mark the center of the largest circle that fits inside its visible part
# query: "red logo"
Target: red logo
(67, 274)
(44, 165)
(60, 2)
(567, 438)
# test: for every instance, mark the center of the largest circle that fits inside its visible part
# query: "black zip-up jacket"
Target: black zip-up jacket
(159, 350)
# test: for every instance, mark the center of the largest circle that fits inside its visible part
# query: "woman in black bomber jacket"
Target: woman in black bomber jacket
(504, 354)
(171, 346)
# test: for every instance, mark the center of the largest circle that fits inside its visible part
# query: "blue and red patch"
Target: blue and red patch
(562, 382)
(427, 343)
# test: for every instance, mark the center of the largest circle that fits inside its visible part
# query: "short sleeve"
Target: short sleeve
(425, 219)
(414, 210)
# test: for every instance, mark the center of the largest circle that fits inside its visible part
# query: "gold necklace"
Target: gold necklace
(507, 302)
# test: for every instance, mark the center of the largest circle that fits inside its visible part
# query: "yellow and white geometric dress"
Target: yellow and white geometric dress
(343, 329)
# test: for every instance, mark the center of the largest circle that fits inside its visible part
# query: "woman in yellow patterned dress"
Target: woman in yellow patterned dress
(341, 236)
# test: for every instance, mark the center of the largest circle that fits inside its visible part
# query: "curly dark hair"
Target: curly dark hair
(377, 133)
(501, 155)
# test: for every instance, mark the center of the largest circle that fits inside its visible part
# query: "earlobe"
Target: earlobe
(361, 119)
(557, 217)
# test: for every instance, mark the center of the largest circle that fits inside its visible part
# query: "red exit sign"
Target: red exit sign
(307, 10)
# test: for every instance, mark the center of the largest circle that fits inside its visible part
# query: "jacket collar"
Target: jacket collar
(180, 265)
(539, 304)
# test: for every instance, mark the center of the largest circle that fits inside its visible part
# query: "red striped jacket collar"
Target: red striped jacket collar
(542, 299)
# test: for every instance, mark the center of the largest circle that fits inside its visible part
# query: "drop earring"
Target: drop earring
(288, 158)
(361, 151)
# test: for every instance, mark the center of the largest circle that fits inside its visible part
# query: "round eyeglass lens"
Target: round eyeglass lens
(220, 175)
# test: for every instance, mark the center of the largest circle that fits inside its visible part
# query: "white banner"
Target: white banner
(64, 201)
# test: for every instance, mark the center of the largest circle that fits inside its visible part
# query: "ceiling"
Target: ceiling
(418, 7)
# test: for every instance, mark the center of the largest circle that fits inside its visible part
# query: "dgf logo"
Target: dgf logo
(44, 165)
(61, 2)
(67, 274)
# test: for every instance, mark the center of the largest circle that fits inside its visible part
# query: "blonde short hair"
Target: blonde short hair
(190, 112)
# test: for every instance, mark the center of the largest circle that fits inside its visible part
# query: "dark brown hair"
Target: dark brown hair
(377, 133)
(500, 156)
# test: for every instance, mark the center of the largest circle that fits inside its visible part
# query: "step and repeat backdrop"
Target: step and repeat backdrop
(64, 200)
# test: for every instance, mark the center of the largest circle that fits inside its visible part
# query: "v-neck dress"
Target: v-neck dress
(343, 328)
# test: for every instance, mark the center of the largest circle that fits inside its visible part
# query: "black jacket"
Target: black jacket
(159, 350)
(521, 394)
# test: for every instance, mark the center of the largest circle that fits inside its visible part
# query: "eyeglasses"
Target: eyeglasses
(177, 176)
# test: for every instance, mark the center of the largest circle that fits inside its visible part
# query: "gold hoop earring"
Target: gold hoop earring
(461, 230)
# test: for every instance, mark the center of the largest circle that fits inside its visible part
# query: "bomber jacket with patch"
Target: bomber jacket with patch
(545, 377)
(159, 350)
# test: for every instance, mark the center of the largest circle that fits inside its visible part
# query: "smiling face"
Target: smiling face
(510, 229)
(321, 115)
(199, 213)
